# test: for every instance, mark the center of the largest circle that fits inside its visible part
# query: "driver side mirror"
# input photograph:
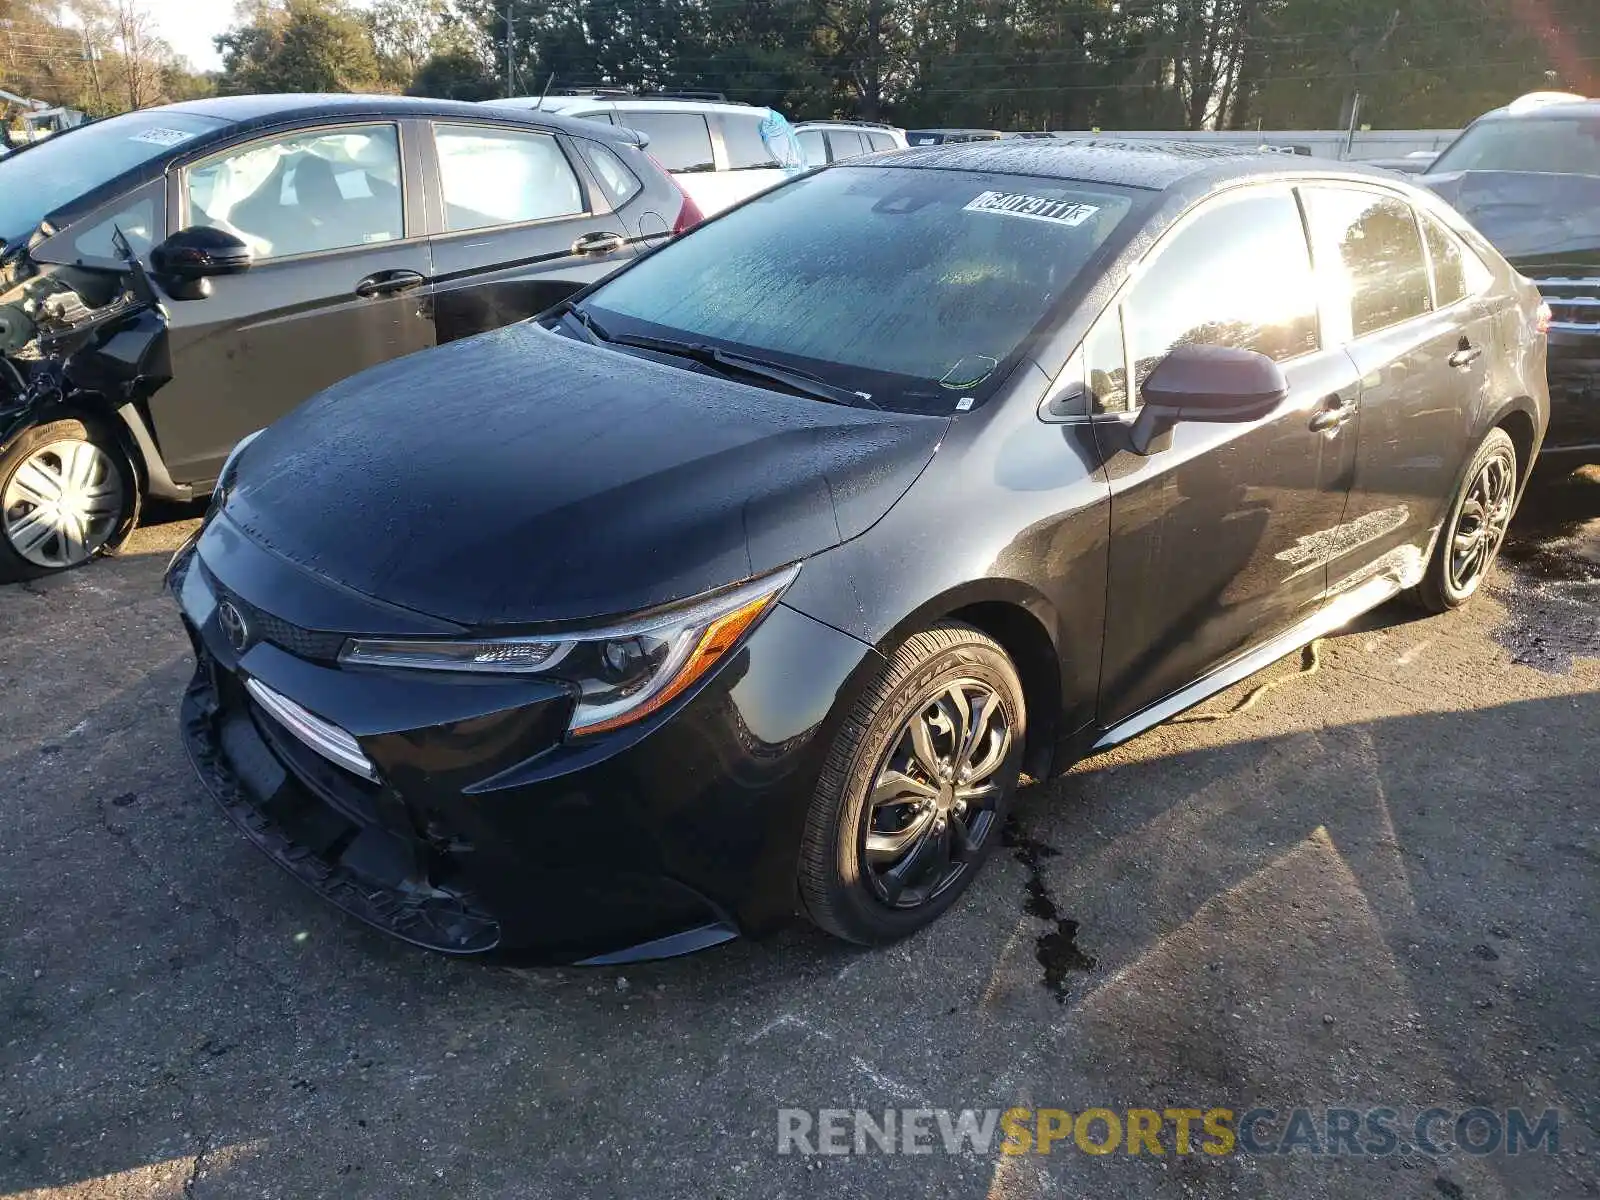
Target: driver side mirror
(190, 257)
(1205, 383)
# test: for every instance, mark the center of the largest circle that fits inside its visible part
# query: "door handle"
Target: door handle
(1467, 355)
(599, 243)
(1334, 413)
(389, 283)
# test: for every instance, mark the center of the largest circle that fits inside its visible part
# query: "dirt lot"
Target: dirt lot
(1378, 886)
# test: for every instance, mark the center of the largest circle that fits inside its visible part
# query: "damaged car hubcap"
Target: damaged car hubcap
(63, 503)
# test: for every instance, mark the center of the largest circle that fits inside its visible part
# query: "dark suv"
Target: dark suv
(372, 226)
(1528, 176)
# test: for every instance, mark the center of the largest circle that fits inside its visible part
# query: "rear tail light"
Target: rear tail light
(1541, 322)
(689, 215)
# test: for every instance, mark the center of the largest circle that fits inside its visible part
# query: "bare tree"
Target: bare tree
(143, 53)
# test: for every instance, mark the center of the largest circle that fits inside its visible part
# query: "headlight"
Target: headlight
(624, 671)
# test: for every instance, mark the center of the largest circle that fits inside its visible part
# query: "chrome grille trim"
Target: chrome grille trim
(326, 738)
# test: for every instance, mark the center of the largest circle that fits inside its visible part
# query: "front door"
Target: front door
(337, 285)
(1220, 541)
(1423, 352)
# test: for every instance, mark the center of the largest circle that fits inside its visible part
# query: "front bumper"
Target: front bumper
(484, 829)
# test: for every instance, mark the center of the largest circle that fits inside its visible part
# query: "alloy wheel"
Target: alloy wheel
(62, 504)
(934, 798)
(1482, 523)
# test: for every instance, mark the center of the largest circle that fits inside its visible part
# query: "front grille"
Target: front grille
(1574, 303)
(302, 643)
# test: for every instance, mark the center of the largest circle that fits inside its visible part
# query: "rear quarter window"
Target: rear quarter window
(618, 183)
(741, 138)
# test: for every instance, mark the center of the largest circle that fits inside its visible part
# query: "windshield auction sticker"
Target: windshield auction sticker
(1035, 208)
(162, 137)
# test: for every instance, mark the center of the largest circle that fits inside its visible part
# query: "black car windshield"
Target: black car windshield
(914, 286)
(1565, 144)
(37, 181)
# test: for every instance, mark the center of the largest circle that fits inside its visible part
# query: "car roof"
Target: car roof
(275, 109)
(1550, 109)
(1152, 165)
(642, 103)
(879, 125)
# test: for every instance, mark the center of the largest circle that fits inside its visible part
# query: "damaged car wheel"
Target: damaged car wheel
(65, 494)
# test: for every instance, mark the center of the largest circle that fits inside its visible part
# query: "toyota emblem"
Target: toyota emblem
(233, 627)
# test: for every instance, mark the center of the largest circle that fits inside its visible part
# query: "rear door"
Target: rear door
(1219, 542)
(517, 224)
(333, 213)
(1423, 364)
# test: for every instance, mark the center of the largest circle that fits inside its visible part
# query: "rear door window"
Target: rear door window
(679, 141)
(845, 144)
(492, 176)
(1239, 274)
(1369, 252)
(741, 138)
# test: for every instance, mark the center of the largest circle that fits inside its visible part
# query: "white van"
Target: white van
(833, 141)
(712, 146)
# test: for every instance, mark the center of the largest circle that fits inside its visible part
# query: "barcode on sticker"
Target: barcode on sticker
(1035, 208)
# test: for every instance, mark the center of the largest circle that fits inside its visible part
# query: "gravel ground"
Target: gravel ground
(1376, 887)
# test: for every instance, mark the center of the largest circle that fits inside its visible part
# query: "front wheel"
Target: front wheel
(915, 789)
(1476, 528)
(64, 494)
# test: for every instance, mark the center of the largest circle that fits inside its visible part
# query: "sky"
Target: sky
(189, 25)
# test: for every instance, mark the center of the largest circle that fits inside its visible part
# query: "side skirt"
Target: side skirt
(1337, 613)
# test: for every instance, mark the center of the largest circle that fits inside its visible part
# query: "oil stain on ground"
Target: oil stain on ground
(1057, 950)
(1550, 583)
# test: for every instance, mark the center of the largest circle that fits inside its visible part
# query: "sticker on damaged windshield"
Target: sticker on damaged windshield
(1036, 208)
(162, 136)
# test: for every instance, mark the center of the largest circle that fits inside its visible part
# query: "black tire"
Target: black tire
(840, 890)
(103, 533)
(1443, 589)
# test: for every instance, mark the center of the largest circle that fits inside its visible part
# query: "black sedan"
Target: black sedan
(749, 581)
(362, 228)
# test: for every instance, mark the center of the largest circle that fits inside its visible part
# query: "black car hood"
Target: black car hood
(1526, 213)
(522, 476)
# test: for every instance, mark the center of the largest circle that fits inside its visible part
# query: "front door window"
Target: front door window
(319, 190)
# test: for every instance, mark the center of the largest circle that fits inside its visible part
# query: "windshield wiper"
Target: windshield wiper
(729, 363)
(569, 309)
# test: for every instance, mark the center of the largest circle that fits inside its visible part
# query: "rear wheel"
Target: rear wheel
(1476, 528)
(65, 492)
(915, 789)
